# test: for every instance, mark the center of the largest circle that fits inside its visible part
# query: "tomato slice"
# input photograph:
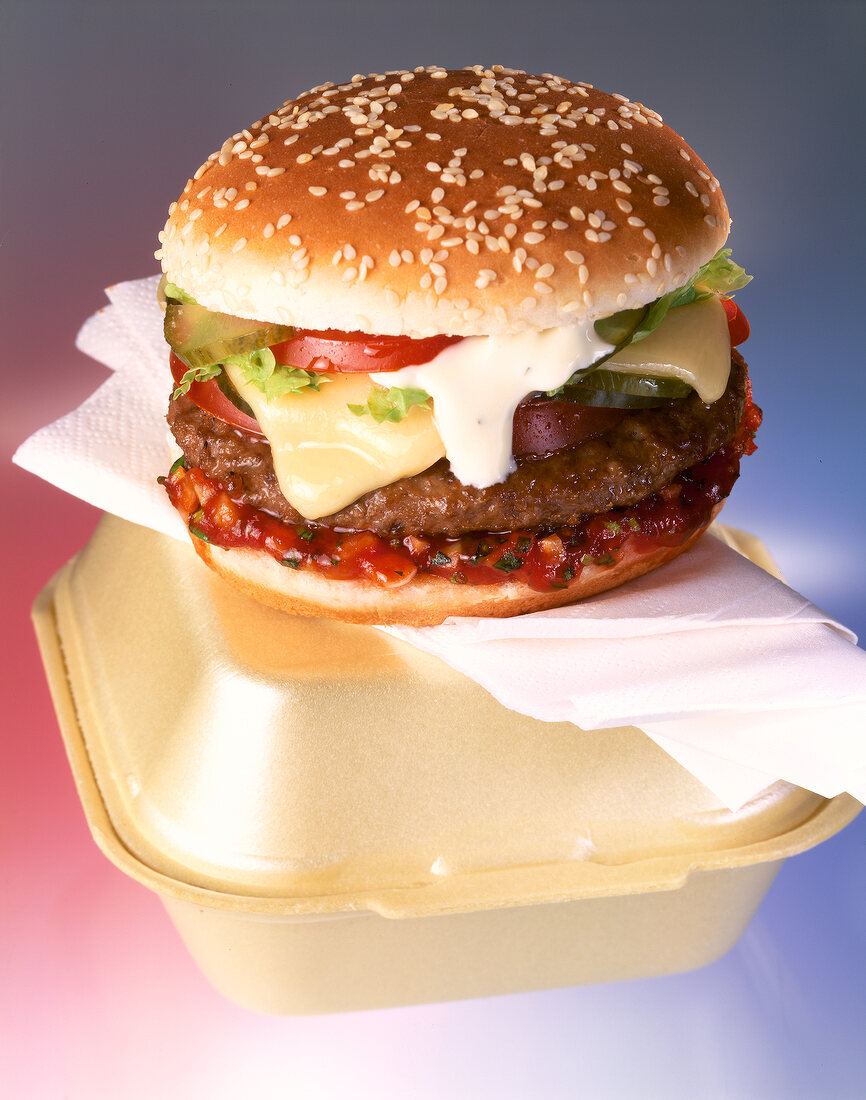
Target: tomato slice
(208, 396)
(545, 425)
(738, 326)
(357, 352)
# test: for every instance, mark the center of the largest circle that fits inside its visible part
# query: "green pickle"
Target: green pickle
(619, 328)
(615, 389)
(202, 338)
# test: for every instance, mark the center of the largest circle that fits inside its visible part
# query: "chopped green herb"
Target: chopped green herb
(458, 578)
(440, 559)
(194, 519)
(508, 562)
(600, 559)
(178, 464)
(523, 544)
(292, 563)
(305, 533)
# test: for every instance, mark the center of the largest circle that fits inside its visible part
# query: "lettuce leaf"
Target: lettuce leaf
(196, 374)
(261, 369)
(392, 404)
(720, 275)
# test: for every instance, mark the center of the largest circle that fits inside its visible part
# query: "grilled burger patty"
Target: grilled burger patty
(640, 455)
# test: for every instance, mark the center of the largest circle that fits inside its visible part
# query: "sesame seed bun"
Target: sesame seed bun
(471, 202)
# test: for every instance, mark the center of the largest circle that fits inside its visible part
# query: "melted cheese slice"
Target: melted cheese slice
(325, 456)
(692, 344)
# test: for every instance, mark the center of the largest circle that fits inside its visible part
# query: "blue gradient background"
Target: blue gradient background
(106, 109)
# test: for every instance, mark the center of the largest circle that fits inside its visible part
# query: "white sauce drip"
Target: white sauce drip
(477, 384)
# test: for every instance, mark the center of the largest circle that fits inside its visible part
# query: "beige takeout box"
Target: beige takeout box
(335, 820)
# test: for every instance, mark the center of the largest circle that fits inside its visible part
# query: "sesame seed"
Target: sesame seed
(318, 191)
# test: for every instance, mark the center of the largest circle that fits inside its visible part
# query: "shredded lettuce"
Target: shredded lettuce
(261, 369)
(392, 404)
(177, 294)
(196, 374)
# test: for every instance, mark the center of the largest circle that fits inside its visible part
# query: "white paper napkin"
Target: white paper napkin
(738, 677)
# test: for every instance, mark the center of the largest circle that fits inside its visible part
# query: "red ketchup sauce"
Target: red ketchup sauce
(543, 561)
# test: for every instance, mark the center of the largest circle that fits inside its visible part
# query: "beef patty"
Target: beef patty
(640, 455)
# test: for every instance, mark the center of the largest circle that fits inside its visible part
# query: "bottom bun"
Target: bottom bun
(425, 600)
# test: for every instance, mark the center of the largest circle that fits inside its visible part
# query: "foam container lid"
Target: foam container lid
(260, 762)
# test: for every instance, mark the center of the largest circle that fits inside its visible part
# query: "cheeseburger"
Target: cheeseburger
(451, 343)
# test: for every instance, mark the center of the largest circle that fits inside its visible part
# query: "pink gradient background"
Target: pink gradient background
(106, 109)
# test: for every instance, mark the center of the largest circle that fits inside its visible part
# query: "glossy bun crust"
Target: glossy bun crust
(472, 202)
(424, 601)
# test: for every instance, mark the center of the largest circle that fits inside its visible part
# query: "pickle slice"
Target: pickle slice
(617, 390)
(228, 390)
(201, 338)
(619, 328)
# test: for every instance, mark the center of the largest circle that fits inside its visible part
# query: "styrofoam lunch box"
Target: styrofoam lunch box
(335, 820)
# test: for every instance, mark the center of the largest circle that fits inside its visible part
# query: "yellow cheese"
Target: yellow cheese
(692, 343)
(325, 456)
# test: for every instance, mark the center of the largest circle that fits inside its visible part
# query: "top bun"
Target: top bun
(471, 202)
